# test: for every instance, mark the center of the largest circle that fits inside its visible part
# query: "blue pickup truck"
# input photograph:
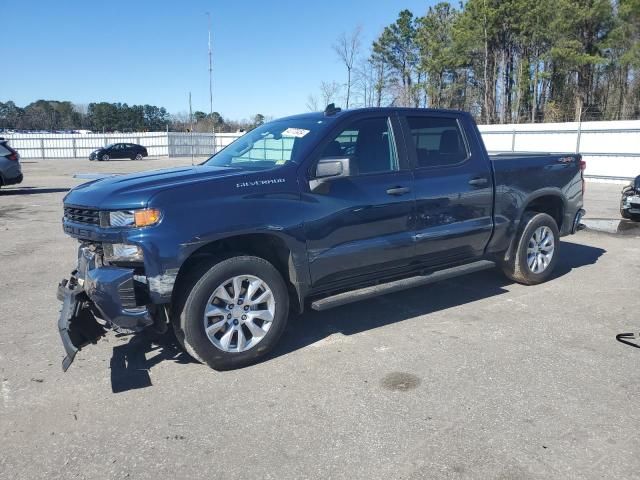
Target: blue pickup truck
(302, 210)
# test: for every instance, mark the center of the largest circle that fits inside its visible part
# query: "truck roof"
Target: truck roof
(386, 110)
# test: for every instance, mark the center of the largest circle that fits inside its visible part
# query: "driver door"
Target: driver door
(362, 223)
(116, 151)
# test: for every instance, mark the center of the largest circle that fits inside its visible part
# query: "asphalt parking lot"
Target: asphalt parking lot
(471, 378)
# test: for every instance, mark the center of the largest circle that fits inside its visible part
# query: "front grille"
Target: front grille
(89, 216)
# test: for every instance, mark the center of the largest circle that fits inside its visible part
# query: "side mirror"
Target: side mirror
(330, 168)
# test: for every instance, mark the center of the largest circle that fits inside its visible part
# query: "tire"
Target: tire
(137, 157)
(518, 268)
(104, 158)
(239, 334)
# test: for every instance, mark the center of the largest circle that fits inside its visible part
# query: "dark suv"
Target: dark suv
(119, 150)
(10, 170)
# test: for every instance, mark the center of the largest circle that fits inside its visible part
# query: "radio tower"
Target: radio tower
(210, 74)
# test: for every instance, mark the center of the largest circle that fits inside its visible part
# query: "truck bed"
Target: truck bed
(521, 178)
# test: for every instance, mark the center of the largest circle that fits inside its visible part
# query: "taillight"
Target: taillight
(13, 155)
(583, 165)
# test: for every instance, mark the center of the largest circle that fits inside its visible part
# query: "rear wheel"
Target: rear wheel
(138, 157)
(234, 313)
(536, 253)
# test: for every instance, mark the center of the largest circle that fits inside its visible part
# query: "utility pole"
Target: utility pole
(191, 132)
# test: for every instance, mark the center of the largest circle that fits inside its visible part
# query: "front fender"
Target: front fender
(212, 212)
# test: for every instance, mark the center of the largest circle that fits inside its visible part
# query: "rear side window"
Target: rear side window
(370, 145)
(438, 141)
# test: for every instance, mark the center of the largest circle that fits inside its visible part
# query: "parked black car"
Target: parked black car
(630, 202)
(119, 150)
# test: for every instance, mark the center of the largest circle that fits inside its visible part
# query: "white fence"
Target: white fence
(611, 149)
(174, 144)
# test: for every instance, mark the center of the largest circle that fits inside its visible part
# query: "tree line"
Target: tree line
(53, 115)
(505, 61)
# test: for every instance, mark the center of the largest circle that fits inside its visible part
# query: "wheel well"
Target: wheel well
(552, 205)
(269, 247)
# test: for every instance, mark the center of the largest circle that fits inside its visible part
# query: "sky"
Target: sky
(268, 56)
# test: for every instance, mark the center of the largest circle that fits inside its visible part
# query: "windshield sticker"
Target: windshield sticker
(256, 183)
(295, 132)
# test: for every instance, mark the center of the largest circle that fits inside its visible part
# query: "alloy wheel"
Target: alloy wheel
(239, 313)
(540, 249)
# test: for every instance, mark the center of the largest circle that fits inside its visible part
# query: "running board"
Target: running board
(395, 286)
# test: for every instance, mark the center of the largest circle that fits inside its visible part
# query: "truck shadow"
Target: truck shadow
(131, 362)
(358, 317)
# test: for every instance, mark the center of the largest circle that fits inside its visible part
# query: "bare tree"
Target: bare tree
(329, 91)
(347, 48)
(82, 109)
(312, 103)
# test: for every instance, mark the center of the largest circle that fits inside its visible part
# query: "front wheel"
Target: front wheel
(105, 158)
(536, 253)
(138, 157)
(234, 313)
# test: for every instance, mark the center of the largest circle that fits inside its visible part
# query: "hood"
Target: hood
(134, 190)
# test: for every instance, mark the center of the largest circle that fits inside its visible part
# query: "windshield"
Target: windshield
(272, 144)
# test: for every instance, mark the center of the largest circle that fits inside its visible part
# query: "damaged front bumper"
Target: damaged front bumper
(95, 299)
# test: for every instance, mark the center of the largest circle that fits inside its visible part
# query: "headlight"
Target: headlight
(132, 218)
(122, 251)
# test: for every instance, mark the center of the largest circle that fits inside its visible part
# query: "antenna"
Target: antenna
(331, 110)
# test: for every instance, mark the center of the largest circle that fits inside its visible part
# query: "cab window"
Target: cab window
(370, 145)
(438, 141)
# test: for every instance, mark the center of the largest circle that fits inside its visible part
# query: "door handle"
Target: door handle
(478, 181)
(398, 191)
